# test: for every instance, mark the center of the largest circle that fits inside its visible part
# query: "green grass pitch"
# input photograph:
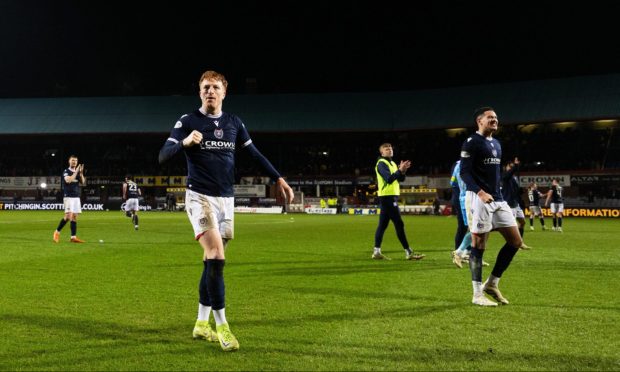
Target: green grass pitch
(302, 294)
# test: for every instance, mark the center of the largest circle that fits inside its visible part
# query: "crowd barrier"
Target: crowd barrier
(49, 206)
(582, 212)
(370, 210)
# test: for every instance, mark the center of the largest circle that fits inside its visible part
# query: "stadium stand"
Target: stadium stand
(558, 126)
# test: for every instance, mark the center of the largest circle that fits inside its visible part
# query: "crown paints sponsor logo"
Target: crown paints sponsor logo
(492, 161)
(544, 180)
(217, 145)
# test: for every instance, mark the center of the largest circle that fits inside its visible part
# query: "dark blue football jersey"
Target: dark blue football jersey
(511, 190)
(480, 165)
(556, 194)
(211, 164)
(70, 190)
(132, 190)
(534, 197)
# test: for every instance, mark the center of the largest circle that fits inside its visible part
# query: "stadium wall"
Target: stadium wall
(579, 98)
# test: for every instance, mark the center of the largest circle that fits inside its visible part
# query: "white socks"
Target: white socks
(477, 288)
(493, 281)
(220, 316)
(203, 312)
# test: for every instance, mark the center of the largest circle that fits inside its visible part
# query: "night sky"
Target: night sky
(95, 48)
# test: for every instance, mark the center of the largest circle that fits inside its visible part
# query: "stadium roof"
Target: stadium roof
(570, 99)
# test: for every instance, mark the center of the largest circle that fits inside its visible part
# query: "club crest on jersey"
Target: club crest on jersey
(494, 152)
(218, 133)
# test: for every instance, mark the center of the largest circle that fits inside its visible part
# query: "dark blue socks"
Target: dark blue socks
(62, 224)
(202, 287)
(475, 264)
(504, 257)
(215, 283)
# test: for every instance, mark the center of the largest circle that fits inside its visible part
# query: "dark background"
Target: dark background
(94, 48)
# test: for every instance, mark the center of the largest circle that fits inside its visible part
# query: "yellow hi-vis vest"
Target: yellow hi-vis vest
(384, 188)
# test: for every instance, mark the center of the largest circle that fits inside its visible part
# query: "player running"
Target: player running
(131, 193)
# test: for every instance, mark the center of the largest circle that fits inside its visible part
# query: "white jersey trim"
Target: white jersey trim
(246, 143)
(173, 140)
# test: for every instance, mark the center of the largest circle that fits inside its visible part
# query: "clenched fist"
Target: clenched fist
(194, 138)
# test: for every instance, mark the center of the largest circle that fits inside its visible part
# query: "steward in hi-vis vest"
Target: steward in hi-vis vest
(388, 185)
(388, 188)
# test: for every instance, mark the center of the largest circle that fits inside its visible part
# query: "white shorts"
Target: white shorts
(557, 207)
(73, 205)
(518, 212)
(535, 210)
(132, 205)
(484, 217)
(210, 212)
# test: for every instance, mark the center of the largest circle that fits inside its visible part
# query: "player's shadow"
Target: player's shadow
(364, 295)
(87, 328)
(571, 265)
(56, 332)
(345, 269)
(327, 298)
(386, 315)
(435, 358)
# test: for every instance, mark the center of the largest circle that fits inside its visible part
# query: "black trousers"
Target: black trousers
(390, 212)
